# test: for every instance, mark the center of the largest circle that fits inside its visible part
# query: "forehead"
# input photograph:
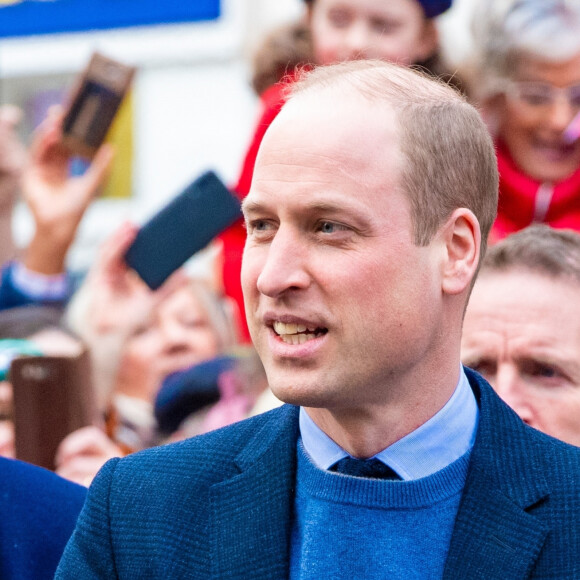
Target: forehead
(400, 9)
(560, 73)
(328, 140)
(525, 303)
(183, 300)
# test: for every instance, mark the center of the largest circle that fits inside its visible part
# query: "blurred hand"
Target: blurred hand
(12, 161)
(12, 154)
(121, 300)
(7, 448)
(82, 453)
(57, 200)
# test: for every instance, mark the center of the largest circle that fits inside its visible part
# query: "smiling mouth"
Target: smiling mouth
(557, 150)
(291, 333)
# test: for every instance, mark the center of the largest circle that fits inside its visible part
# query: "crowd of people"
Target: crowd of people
(424, 246)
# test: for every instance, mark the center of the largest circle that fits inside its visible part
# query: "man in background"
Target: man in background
(522, 328)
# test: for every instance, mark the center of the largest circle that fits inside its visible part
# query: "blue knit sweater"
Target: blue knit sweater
(349, 527)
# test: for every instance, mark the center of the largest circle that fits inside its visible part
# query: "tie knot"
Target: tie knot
(372, 468)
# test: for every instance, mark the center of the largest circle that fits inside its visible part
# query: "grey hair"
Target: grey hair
(505, 31)
(539, 249)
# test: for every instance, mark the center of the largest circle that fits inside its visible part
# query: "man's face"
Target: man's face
(522, 333)
(392, 30)
(340, 301)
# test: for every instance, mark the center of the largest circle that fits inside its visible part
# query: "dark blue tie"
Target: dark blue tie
(372, 468)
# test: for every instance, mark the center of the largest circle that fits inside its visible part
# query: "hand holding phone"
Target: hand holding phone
(93, 104)
(183, 227)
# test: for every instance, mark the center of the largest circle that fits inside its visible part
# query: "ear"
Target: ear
(429, 42)
(461, 237)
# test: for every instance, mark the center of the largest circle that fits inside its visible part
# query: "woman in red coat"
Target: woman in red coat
(529, 85)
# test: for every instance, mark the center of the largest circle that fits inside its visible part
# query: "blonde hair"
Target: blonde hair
(449, 156)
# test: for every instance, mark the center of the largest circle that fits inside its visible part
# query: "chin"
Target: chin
(299, 395)
(550, 172)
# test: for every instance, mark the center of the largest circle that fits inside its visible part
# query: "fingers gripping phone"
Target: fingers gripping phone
(183, 227)
(93, 104)
(53, 397)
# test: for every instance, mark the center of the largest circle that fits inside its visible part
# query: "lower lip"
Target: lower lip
(557, 154)
(282, 349)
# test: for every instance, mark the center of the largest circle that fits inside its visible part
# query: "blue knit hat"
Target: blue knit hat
(431, 8)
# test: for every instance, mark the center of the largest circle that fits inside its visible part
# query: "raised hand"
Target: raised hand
(56, 199)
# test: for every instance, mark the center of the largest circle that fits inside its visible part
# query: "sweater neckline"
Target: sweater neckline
(424, 492)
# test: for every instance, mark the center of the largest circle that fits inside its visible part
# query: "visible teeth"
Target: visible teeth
(290, 328)
(296, 338)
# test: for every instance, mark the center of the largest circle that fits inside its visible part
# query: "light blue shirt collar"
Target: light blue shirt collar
(443, 439)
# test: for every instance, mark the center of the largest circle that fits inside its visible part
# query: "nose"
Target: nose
(356, 41)
(561, 114)
(285, 265)
(510, 387)
(174, 335)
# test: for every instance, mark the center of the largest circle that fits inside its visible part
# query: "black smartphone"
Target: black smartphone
(93, 104)
(53, 396)
(183, 227)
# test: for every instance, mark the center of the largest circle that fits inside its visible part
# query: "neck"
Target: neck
(364, 431)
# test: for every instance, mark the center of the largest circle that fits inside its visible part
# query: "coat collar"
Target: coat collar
(252, 511)
(495, 535)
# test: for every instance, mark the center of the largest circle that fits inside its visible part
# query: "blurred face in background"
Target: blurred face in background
(538, 105)
(392, 30)
(522, 333)
(179, 334)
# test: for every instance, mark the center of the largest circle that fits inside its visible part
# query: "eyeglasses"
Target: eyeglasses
(538, 95)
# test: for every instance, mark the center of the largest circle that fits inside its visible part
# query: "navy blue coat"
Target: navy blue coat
(220, 505)
(38, 511)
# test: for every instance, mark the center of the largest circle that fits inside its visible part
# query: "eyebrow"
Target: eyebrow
(249, 206)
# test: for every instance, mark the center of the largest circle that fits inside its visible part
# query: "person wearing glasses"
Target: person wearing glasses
(527, 82)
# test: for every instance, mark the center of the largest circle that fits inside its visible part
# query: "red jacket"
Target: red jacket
(523, 200)
(234, 238)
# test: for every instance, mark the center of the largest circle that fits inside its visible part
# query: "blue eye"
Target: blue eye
(327, 227)
(259, 226)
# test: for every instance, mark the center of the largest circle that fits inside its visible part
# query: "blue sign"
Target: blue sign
(30, 17)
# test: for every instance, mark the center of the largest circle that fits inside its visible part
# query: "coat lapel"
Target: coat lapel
(252, 511)
(496, 534)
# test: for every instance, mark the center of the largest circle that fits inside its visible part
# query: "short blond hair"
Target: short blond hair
(449, 155)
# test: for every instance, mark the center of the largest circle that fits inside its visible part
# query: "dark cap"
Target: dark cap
(431, 8)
